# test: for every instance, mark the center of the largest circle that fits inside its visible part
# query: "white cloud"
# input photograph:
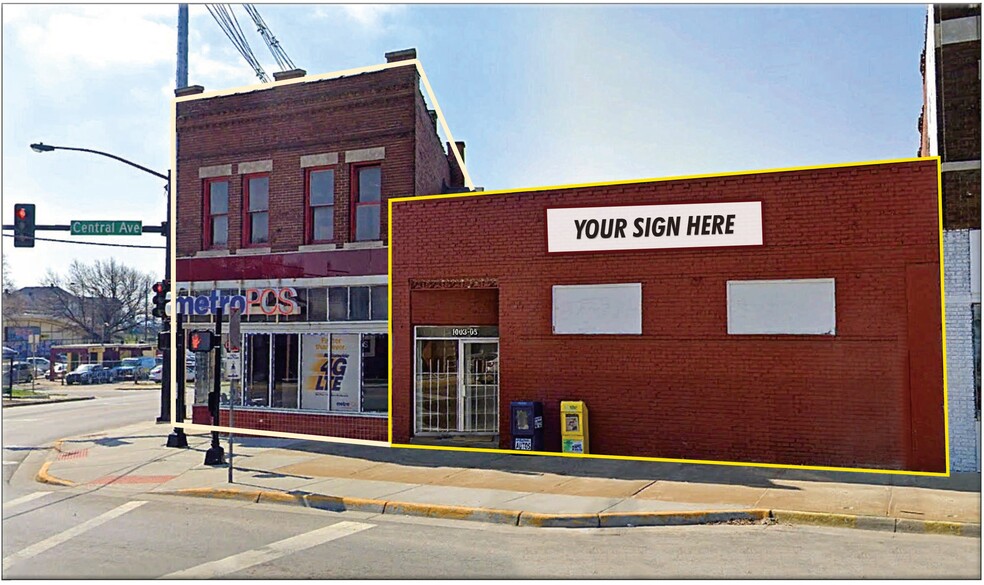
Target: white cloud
(372, 17)
(97, 37)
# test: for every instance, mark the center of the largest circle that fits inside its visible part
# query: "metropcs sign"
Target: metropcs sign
(255, 301)
(643, 227)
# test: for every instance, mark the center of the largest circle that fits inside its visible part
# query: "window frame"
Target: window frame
(354, 201)
(309, 209)
(247, 231)
(207, 243)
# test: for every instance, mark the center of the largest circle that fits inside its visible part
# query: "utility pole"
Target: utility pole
(177, 438)
(182, 77)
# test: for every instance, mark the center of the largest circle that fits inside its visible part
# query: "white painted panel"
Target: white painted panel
(644, 227)
(975, 265)
(598, 309)
(804, 307)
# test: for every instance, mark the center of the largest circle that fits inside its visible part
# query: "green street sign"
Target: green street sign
(106, 228)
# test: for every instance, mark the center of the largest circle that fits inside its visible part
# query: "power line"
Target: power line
(92, 243)
(261, 27)
(226, 19)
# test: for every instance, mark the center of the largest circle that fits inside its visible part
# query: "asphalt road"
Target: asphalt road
(34, 427)
(54, 532)
(60, 535)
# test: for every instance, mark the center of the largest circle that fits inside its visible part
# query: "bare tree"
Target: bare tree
(11, 305)
(104, 298)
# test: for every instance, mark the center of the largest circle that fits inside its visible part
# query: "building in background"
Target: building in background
(282, 194)
(950, 128)
(32, 323)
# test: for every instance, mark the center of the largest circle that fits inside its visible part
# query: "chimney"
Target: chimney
(456, 177)
(190, 90)
(433, 116)
(292, 74)
(404, 55)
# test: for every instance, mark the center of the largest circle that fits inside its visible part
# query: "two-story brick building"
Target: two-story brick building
(282, 194)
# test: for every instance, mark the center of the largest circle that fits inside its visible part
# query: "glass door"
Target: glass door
(436, 385)
(456, 386)
(480, 387)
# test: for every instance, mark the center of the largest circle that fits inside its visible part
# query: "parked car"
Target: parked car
(23, 372)
(39, 362)
(134, 368)
(58, 372)
(158, 373)
(89, 374)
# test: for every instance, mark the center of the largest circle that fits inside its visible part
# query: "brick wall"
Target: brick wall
(455, 307)
(964, 443)
(327, 425)
(432, 174)
(284, 123)
(685, 388)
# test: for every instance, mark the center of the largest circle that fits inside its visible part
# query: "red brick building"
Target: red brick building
(797, 321)
(282, 189)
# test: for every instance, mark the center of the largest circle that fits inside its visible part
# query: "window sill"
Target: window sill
(211, 253)
(363, 245)
(317, 247)
(252, 251)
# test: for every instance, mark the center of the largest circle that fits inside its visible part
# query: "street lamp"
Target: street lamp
(177, 438)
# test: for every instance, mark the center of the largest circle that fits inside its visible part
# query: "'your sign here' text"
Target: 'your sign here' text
(642, 227)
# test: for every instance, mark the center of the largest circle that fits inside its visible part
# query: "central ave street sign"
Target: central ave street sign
(106, 228)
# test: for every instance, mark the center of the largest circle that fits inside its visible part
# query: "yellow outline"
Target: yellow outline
(946, 414)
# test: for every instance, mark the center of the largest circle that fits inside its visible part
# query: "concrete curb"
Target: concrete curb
(535, 519)
(45, 401)
(597, 520)
(44, 477)
(906, 525)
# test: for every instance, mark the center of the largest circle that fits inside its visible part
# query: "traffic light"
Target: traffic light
(24, 225)
(201, 341)
(160, 299)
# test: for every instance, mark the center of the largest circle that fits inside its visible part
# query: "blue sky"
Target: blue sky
(541, 94)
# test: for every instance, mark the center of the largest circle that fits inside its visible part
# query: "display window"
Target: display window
(320, 372)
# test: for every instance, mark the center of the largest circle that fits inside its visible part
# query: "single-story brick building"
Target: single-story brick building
(788, 317)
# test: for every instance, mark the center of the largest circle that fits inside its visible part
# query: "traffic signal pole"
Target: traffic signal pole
(215, 454)
(177, 438)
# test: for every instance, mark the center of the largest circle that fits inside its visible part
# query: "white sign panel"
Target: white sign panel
(233, 368)
(643, 227)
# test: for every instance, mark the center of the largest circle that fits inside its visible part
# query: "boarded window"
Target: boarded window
(783, 307)
(598, 309)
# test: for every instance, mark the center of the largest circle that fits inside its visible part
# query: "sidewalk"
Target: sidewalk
(514, 489)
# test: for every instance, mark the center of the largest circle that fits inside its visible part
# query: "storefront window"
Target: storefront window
(375, 374)
(256, 370)
(317, 305)
(357, 303)
(338, 303)
(380, 304)
(285, 357)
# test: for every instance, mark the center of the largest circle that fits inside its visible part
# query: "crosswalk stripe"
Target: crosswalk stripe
(269, 552)
(40, 547)
(24, 499)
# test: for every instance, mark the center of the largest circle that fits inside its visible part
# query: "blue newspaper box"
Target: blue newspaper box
(527, 426)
